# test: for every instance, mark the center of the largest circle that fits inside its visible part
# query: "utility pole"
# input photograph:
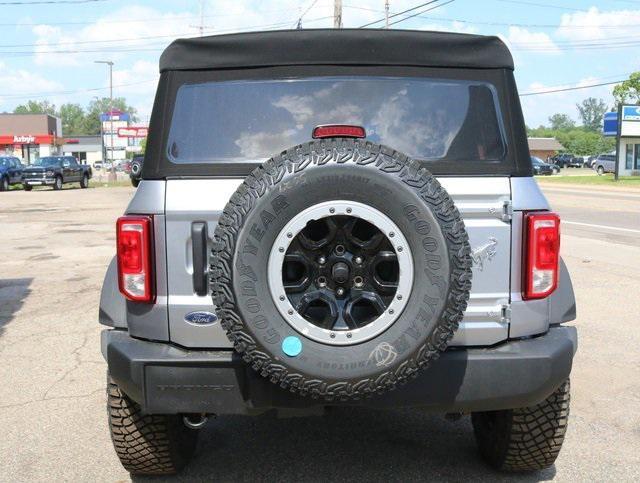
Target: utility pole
(386, 14)
(110, 64)
(201, 27)
(337, 14)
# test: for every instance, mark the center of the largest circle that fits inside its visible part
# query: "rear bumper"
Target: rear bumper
(166, 379)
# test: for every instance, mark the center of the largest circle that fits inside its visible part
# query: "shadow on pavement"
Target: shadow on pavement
(13, 292)
(347, 444)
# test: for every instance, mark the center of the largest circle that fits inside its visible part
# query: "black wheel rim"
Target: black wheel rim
(340, 273)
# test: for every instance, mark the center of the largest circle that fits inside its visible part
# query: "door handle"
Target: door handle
(199, 252)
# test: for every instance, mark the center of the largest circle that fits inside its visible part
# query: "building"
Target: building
(627, 135)
(544, 148)
(86, 149)
(30, 136)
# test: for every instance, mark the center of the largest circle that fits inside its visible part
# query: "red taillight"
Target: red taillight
(338, 131)
(542, 254)
(135, 250)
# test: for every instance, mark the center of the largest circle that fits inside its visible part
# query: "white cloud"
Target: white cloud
(594, 24)
(14, 82)
(537, 109)
(523, 39)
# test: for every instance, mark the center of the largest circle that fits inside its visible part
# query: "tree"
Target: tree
(592, 112)
(36, 107)
(73, 119)
(99, 106)
(561, 122)
(628, 91)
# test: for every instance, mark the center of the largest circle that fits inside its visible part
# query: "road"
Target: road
(55, 247)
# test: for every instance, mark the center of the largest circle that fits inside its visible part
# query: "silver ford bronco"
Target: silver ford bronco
(330, 218)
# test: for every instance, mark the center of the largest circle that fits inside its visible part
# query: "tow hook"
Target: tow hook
(195, 421)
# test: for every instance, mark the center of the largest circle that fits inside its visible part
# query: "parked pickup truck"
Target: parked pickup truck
(10, 172)
(56, 171)
(344, 218)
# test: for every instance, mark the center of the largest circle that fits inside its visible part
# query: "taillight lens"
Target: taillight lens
(135, 250)
(337, 131)
(542, 254)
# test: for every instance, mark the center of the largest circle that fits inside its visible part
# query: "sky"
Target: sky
(48, 48)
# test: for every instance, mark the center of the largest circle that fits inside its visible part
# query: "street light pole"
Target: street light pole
(110, 64)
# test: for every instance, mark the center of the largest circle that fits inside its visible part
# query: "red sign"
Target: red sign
(133, 132)
(27, 139)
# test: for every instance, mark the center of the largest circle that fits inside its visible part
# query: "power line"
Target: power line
(506, 24)
(74, 91)
(574, 88)
(134, 40)
(51, 2)
(299, 21)
(383, 19)
(427, 10)
(89, 21)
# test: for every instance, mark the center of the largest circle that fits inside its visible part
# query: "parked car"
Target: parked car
(567, 160)
(136, 170)
(337, 272)
(605, 163)
(97, 165)
(125, 166)
(590, 161)
(10, 172)
(540, 167)
(56, 171)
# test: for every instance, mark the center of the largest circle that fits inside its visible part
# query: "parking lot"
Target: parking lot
(55, 249)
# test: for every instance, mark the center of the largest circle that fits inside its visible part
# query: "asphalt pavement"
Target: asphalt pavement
(55, 248)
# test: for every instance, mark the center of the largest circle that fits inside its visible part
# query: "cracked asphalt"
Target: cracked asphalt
(55, 249)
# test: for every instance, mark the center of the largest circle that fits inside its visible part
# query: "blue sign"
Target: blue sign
(631, 113)
(610, 126)
(115, 116)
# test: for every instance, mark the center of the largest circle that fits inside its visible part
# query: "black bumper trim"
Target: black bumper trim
(166, 379)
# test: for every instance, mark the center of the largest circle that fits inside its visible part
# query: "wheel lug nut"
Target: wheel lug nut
(282, 297)
(340, 291)
(349, 335)
(358, 260)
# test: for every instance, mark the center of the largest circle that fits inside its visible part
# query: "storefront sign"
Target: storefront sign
(27, 139)
(631, 113)
(133, 132)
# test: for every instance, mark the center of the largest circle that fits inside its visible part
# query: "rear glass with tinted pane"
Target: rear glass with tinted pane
(427, 119)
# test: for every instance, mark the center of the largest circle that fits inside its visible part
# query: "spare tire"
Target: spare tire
(340, 269)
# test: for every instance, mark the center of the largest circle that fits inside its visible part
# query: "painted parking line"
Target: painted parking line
(605, 227)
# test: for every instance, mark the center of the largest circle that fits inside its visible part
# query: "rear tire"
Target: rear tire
(27, 187)
(147, 444)
(57, 184)
(600, 170)
(84, 182)
(525, 439)
(4, 184)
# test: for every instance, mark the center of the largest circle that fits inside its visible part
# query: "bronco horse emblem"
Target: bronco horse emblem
(484, 253)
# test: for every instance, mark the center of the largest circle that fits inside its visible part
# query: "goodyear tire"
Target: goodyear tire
(296, 269)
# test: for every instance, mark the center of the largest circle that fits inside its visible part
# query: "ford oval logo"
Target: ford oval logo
(201, 318)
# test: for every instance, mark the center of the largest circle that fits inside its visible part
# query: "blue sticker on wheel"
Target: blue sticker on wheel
(292, 346)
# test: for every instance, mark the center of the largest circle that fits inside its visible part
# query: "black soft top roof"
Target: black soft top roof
(336, 47)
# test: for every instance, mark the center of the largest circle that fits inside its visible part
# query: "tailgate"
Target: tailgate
(483, 202)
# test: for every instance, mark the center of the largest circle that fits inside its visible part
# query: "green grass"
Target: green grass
(605, 180)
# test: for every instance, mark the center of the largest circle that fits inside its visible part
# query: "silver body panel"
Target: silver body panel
(492, 210)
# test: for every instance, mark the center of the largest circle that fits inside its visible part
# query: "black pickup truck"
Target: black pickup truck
(56, 171)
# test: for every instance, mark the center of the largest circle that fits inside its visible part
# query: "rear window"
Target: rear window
(428, 119)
